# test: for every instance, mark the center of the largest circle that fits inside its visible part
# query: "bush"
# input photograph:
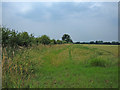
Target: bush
(59, 42)
(45, 40)
(99, 62)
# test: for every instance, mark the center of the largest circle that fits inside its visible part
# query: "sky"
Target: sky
(83, 21)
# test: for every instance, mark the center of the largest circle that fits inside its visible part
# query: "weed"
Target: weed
(100, 62)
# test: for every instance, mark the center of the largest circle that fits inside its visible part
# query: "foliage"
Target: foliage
(45, 40)
(59, 42)
(5, 36)
(91, 42)
(53, 41)
(0, 35)
(13, 39)
(67, 38)
(99, 42)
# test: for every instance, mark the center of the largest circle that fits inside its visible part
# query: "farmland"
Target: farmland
(62, 66)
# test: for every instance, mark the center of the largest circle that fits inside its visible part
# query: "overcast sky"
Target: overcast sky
(83, 21)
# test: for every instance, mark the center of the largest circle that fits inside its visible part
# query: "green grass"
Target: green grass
(63, 66)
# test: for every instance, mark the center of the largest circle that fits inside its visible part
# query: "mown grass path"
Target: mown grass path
(70, 55)
(64, 66)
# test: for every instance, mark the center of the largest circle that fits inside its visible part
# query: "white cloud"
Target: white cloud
(21, 7)
(60, 0)
(0, 13)
(96, 5)
(47, 15)
(94, 24)
(25, 8)
(48, 4)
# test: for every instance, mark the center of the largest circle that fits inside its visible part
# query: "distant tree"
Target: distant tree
(63, 42)
(118, 42)
(45, 40)
(114, 43)
(96, 42)
(38, 40)
(99, 42)
(76, 42)
(67, 38)
(91, 42)
(32, 39)
(59, 42)
(106, 43)
(53, 41)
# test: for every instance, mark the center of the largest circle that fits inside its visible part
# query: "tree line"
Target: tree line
(99, 42)
(14, 39)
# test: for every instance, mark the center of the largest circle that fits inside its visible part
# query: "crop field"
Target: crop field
(62, 66)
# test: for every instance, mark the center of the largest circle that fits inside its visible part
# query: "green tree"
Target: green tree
(114, 43)
(45, 40)
(13, 39)
(0, 35)
(53, 41)
(24, 39)
(99, 42)
(38, 40)
(5, 36)
(91, 42)
(32, 39)
(59, 42)
(67, 38)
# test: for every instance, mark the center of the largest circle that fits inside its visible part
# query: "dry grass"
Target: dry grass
(80, 54)
(113, 49)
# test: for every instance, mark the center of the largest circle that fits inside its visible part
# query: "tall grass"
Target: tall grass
(100, 62)
(16, 70)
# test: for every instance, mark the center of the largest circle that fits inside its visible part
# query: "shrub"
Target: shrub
(99, 62)
(45, 40)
